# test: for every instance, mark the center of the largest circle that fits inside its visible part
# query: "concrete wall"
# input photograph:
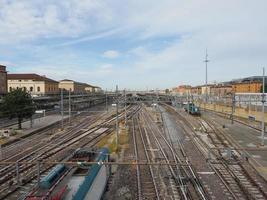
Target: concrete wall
(239, 112)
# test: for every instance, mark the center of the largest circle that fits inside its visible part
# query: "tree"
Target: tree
(17, 104)
(167, 91)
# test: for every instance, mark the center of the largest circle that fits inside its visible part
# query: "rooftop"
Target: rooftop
(249, 79)
(34, 77)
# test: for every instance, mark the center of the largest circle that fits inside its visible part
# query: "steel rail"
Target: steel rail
(180, 182)
(196, 181)
(71, 141)
(148, 159)
(223, 162)
(222, 137)
(137, 166)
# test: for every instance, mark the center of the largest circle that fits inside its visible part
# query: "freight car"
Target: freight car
(47, 181)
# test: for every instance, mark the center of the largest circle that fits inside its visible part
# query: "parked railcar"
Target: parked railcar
(47, 181)
(95, 180)
(192, 109)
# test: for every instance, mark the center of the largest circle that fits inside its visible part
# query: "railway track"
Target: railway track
(40, 151)
(241, 183)
(233, 174)
(10, 152)
(191, 189)
(57, 150)
(146, 183)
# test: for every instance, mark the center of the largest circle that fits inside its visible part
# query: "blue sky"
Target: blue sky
(136, 44)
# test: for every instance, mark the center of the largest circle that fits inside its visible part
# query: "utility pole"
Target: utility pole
(62, 110)
(263, 101)
(188, 106)
(206, 81)
(157, 91)
(117, 118)
(69, 106)
(233, 108)
(106, 101)
(125, 108)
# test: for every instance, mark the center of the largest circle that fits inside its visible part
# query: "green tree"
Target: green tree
(167, 91)
(17, 104)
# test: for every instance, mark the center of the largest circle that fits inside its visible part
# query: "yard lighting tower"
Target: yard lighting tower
(117, 117)
(206, 82)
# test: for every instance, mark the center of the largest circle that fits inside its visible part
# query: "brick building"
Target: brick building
(221, 90)
(182, 89)
(195, 90)
(3, 80)
(248, 85)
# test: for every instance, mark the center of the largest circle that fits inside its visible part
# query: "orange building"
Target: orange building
(221, 90)
(247, 87)
(196, 90)
(182, 89)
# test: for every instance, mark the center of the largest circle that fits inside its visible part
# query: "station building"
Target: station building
(3, 80)
(182, 89)
(90, 88)
(248, 85)
(206, 89)
(97, 89)
(33, 83)
(78, 87)
(196, 90)
(222, 89)
(73, 86)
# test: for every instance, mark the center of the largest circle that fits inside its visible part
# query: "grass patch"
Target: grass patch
(110, 141)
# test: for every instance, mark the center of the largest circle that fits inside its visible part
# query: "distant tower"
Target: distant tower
(3, 80)
(206, 88)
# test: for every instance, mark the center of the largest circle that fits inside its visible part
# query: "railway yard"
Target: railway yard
(167, 154)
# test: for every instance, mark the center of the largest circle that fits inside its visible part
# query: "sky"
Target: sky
(136, 44)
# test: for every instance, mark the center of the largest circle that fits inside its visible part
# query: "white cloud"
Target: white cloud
(111, 54)
(26, 20)
(233, 31)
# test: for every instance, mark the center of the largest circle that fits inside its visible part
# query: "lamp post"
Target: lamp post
(117, 117)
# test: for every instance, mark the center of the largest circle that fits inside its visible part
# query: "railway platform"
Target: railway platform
(37, 126)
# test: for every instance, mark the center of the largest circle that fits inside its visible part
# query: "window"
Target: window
(24, 89)
(38, 89)
(10, 89)
(31, 89)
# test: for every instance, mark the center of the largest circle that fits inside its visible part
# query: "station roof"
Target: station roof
(34, 77)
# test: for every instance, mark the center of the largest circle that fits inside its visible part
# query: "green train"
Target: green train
(193, 109)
